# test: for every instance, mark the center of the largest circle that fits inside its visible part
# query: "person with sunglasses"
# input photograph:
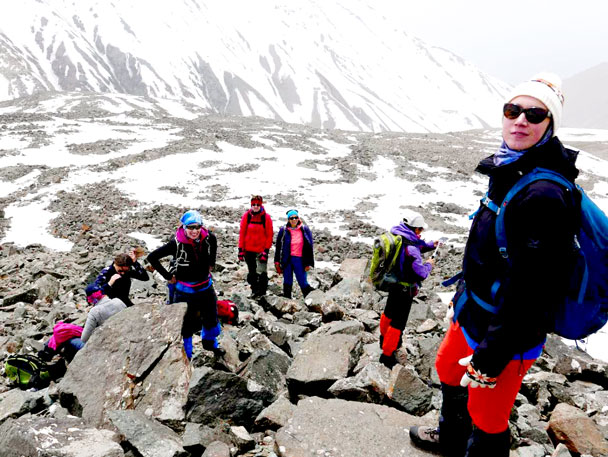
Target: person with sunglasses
(504, 300)
(255, 240)
(293, 253)
(194, 250)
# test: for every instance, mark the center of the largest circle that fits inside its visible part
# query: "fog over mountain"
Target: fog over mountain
(331, 64)
(587, 99)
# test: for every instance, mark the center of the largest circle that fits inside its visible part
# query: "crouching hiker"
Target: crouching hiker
(194, 249)
(409, 270)
(70, 338)
(293, 253)
(115, 280)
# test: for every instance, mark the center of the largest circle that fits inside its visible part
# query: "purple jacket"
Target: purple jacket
(411, 253)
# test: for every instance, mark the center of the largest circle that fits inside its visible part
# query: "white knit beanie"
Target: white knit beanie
(546, 87)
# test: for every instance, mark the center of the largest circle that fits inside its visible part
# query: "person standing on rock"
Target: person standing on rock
(255, 239)
(410, 269)
(505, 300)
(293, 253)
(115, 280)
(194, 250)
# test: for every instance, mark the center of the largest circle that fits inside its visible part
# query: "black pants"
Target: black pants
(257, 276)
(399, 305)
(201, 310)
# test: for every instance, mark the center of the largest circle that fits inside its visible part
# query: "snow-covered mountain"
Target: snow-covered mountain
(329, 63)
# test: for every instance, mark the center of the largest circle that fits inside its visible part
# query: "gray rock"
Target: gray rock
(148, 437)
(217, 449)
(351, 269)
(408, 392)
(48, 288)
(16, 402)
(319, 302)
(217, 396)
(267, 368)
(576, 430)
(144, 369)
(31, 436)
(308, 319)
(322, 360)
(368, 385)
(276, 415)
(346, 428)
(346, 293)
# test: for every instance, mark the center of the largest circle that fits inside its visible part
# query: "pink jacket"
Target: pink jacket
(63, 332)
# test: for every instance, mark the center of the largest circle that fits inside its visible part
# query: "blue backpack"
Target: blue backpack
(585, 308)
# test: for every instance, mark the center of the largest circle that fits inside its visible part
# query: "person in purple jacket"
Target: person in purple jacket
(411, 269)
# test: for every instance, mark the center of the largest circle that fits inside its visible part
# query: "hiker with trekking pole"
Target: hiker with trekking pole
(512, 279)
(398, 267)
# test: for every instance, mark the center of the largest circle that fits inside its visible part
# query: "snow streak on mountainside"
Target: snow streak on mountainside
(330, 63)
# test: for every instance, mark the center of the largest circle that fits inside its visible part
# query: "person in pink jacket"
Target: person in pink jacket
(255, 239)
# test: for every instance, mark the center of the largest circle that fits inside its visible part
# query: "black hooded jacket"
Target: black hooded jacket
(540, 223)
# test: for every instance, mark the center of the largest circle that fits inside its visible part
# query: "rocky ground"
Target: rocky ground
(300, 377)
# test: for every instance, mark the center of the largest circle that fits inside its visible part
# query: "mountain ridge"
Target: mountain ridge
(316, 64)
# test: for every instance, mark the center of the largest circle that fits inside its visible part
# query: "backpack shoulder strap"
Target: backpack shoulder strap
(535, 175)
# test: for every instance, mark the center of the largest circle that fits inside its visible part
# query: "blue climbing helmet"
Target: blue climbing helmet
(191, 217)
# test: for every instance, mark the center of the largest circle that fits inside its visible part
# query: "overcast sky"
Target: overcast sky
(514, 39)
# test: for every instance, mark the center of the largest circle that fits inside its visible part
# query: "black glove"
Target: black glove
(241, 255)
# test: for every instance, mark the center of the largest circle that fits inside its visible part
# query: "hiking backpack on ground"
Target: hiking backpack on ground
(27, 371)
(386, 252)
(585, 307)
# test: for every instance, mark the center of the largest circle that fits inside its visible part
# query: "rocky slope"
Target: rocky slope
(300, 377)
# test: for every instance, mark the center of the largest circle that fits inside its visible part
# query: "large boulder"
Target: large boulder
(216, 396)
(134, 360)
(16, 403)
(347, 428)
(322, 360)
(147, 436)
(571, 426)
(31, 436)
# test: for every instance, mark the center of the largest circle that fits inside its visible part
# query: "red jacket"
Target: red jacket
(255, 235)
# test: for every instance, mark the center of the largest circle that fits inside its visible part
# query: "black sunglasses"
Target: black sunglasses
(533, 115)
(293, 218)
(193, 227)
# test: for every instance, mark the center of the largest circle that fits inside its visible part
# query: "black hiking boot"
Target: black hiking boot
(388, 361)
(287, 290)
(426, 438)
(307, 290)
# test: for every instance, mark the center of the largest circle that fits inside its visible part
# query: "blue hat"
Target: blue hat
(91, 289)
(292, 212)
(191, 217)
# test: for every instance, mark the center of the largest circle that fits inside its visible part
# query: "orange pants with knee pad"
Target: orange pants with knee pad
(489, 408)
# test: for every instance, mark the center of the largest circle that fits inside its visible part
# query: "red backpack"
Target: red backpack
(228, 312)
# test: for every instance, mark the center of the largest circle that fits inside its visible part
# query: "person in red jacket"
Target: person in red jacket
(255, 240)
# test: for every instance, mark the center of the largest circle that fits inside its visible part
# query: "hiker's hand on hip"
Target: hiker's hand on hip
(473, 377)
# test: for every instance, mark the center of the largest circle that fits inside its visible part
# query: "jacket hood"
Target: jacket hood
(405, 232)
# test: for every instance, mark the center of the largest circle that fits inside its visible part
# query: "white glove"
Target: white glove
(449, 314)
(474, 378)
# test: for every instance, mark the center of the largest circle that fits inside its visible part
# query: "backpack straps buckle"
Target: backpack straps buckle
(490, 204)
